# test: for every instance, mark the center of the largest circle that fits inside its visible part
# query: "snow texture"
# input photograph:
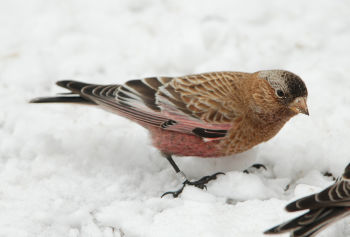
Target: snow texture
(79, 171)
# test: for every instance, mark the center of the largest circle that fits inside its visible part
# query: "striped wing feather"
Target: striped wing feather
(335, 195)
(310, 223)
(326, 207)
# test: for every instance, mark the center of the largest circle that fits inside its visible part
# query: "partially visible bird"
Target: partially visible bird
(324, 208)
(205, 115)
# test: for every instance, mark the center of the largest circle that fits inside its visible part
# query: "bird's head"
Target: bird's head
(289, 89)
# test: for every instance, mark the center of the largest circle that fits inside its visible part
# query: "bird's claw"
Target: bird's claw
(201, 183)
(254, 166)
(174, 193)
(329, 174)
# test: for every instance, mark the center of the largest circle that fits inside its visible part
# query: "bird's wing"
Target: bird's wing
(132, 100)
(203, 104)
(310, 223)
(210, 97)
(337, 194)
(324, 207)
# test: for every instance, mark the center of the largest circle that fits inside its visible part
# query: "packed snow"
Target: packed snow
(74, 171)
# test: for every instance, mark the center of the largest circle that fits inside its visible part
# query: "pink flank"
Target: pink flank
(183, 144)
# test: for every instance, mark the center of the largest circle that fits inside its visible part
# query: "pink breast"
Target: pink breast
(182, 144)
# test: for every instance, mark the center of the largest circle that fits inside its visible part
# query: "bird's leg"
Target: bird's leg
(201, 183)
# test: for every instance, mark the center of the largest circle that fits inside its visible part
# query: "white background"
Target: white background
(73, 171)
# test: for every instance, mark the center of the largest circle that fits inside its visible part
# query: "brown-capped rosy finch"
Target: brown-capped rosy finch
(205, 115)
(324, 208)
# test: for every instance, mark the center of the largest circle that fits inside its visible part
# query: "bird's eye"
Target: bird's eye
(280, 93)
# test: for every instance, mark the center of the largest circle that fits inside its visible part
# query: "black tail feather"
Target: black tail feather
(74, 86)
(73, 96)
(62, 99)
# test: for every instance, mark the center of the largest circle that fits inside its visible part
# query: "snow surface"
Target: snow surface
(78, 171)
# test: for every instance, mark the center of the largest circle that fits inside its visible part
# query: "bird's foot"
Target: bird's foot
(329, 174)
(201, 183)
(254, 167)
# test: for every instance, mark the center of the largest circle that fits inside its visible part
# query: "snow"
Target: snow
(79, 171)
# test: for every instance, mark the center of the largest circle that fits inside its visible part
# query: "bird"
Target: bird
(209, 115)
(324, 208)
